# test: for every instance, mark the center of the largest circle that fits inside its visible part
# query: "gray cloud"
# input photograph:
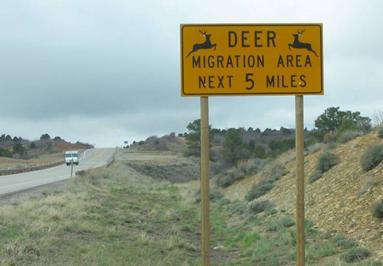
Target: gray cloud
(87, 69)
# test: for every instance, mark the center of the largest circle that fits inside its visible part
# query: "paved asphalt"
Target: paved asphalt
(91, 158)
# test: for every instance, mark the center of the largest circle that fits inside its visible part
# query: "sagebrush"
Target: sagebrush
(355, 255)
(380, 132)
(378, 209)
(261, 206)
(372, 157)
(259, 189)
(325, 162)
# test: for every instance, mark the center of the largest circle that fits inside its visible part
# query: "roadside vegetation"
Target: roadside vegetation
(238, 152)
(263, 236)
(111, 216)
(272, 174)
(372, 157)
(380, 132)
(326, 161)
(146, 212)
(378, 210)
(122, 216)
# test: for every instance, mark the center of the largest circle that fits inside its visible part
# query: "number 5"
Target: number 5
(250, 80)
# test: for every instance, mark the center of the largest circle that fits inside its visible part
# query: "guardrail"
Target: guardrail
(29, 169)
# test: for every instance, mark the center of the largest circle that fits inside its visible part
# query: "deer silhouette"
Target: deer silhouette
(301, 45)
(205, 45)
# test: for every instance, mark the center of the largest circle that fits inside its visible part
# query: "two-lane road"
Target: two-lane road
(91, 158)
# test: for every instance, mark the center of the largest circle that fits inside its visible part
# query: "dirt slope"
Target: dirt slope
(341, 201)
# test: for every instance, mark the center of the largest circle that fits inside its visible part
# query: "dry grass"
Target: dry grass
(118, 216)
(111, 216)
(9, 163)
(339, 202)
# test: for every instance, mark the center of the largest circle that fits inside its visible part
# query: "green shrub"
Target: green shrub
(332, 146)
(326, 161)
(80, 173)
(32, 145)
(214, 195)
(275, 171)
(19, 149)
(237, 207)
(5, 153)
(378, 210)
(223, 201)
(216, 167)
(329, 137)
(372, 157)
(173, 172)
(273, 174)
(259, 189)
(321, 250)
(355, 255)
(343, 242)
(280, 146)
(252, 166)
(229, 177)
(348, 135)
(313, 148)
(380, 132)
(273, 226)
(287, 222)
(335, 120)
(284, 222)
(314, 177)
(310, 228)
(260, 206)
(271, 210)
(234, 149)
(224, 181)
(259, 152)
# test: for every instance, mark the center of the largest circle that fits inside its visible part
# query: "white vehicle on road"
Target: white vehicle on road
(72, 157)
(16, 182)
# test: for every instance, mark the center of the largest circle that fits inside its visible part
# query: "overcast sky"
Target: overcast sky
(108, 71)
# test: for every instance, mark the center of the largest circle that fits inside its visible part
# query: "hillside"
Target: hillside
(339, 202)
(137, 211)
(17, 153)
(126, 208)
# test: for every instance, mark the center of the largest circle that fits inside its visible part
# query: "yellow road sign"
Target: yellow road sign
(251, 59)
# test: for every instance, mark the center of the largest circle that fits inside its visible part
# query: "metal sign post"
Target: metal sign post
(300, 211)
(71, 168)
(205, 225)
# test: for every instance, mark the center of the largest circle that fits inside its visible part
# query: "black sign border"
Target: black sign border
(182, 26)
